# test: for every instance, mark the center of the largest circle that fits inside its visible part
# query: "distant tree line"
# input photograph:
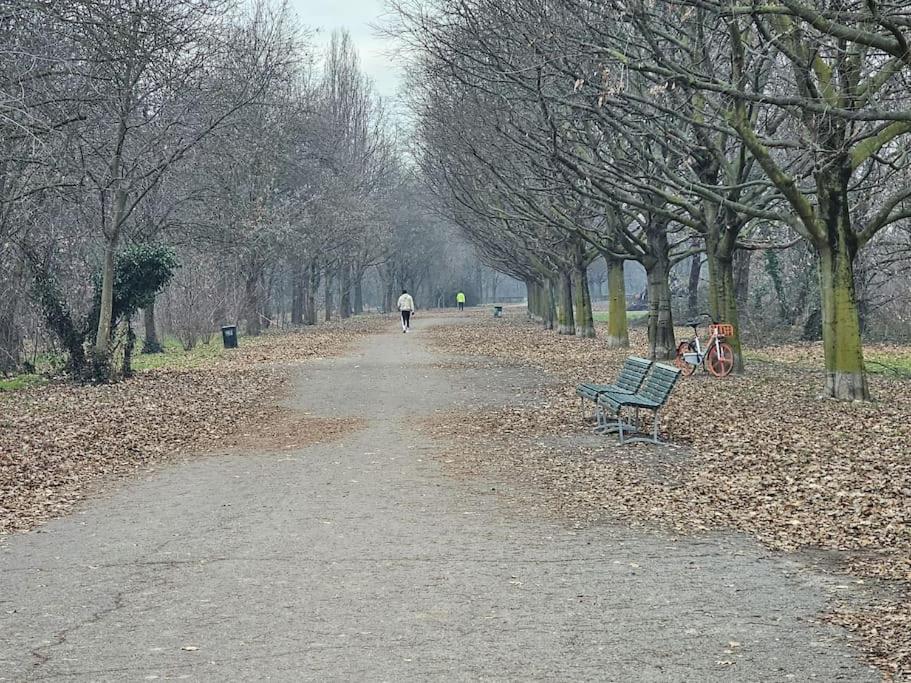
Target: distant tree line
(699, 135)
(200, 161)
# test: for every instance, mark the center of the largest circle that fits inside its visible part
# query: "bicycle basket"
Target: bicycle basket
(722, 330)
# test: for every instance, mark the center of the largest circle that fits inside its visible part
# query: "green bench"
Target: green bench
(630, 379)
(653, 394)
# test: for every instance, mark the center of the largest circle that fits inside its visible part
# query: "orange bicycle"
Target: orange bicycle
(717, 356)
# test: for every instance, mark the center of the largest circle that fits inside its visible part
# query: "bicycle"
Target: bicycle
(717, 357)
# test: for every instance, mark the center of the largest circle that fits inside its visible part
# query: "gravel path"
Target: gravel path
(361, 560)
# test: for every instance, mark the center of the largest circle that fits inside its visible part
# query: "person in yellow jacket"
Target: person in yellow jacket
(460, 300)
(406, 307)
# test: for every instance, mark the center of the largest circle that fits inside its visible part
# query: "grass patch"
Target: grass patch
(175, 356)
(891, 362)
(880, 359)
(603, 316)
(21, 382)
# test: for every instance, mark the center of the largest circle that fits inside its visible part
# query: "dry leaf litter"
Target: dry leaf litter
(760, 453)
(59, 442)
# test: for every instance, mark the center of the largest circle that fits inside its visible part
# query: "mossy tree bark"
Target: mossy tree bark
(617, 324)
(585, 322)
(719, 249)
(845, 374)
(566, 322)
(549, 304)
(658, 268)
(824, 217)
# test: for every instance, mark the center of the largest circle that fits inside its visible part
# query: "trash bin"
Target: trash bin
(497, 311)
(229, 336)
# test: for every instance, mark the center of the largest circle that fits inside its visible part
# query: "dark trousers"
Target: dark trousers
(461, 305)
(406, 319)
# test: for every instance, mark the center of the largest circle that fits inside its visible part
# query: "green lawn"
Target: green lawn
(879, 359)
(602, 316)
(21, 382)
(175, 357)
(893, 362)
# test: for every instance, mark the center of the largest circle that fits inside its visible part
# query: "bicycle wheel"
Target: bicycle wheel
(686, 369)
(720, 360)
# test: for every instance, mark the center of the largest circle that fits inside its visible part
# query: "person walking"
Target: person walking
(406, 308)
(460, 300)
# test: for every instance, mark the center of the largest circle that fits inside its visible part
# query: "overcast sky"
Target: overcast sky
(356, 16)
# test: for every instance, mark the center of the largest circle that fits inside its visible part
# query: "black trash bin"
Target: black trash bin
(229, 336)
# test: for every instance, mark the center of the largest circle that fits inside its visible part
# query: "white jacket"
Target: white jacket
(406, 303)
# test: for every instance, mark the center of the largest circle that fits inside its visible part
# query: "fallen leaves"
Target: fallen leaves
(59, 441)
(759, 453)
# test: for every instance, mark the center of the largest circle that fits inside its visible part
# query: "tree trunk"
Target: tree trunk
(692, 301)
(344, 299)
(128, 346)
(101, 353)
(299, 305)
(265, 289)
(549, 304)
(10, 342)
(328, 295)
(102, 349)
(150, 344)
(359, 294)
(660, 321)
(722, 291)
(531, 299)
(585, 322)
(773, 270)
(845, 376)
(390, 295)
(252, 305)
(60, 321)
(566, 322)
(658, 269)
(743, 259)
(298, 287)
(845, 373)
(313, 278)
(617, 324)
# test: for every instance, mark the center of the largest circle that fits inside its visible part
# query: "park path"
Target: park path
(361, 559)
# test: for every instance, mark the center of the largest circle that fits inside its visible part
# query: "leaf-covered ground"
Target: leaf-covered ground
(60, 442)
(759, 453)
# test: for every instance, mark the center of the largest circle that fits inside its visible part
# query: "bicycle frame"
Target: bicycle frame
(698, 357)
(716, 357)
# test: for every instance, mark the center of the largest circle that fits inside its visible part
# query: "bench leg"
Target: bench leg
(653, 438)
(606, 425)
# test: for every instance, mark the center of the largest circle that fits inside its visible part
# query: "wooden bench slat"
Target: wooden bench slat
(653, 394)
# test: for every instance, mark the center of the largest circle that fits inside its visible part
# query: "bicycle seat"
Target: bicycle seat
(693, 323)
